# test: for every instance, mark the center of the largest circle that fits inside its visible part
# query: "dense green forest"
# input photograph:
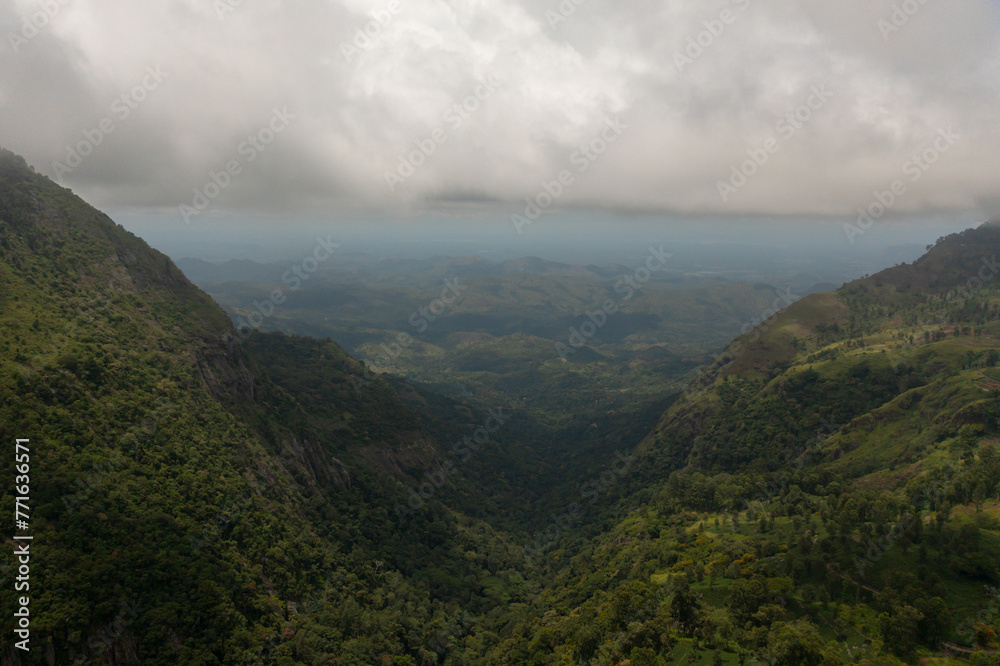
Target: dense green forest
(504, 336)
(827, 491)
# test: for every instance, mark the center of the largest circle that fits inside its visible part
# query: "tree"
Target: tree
(796, 643)
(745, 597)
(685, 606)
(900, 628)
(936, 621)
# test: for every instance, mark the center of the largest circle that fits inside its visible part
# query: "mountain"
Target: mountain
(197, 500)
(824, 492)
(828, 491)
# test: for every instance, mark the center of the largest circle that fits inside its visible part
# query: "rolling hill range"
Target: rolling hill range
(587, 355)
(823, 491)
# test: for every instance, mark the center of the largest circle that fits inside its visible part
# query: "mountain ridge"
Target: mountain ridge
(828, 494)
(168, 463)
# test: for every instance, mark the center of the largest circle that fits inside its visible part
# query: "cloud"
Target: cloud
(701, 86)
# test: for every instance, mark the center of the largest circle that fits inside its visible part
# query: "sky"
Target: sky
(187, 110)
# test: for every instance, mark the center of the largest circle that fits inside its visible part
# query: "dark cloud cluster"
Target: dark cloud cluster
(378, 87)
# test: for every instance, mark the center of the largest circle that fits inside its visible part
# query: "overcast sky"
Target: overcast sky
(550, 77)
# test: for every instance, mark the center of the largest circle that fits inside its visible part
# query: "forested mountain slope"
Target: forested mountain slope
(826, 492)
(186, 508)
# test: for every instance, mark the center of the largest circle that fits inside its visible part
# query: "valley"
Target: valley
(587, 357)
(499, 333)
(704, 480)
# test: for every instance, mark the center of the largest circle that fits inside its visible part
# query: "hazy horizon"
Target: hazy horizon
(819, 245)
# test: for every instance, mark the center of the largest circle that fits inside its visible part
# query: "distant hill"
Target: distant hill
(826, 491)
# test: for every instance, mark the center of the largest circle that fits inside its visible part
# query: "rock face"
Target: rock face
(223, 373)
(309, 460)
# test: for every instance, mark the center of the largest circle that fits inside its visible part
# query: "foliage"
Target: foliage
(831, 497)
